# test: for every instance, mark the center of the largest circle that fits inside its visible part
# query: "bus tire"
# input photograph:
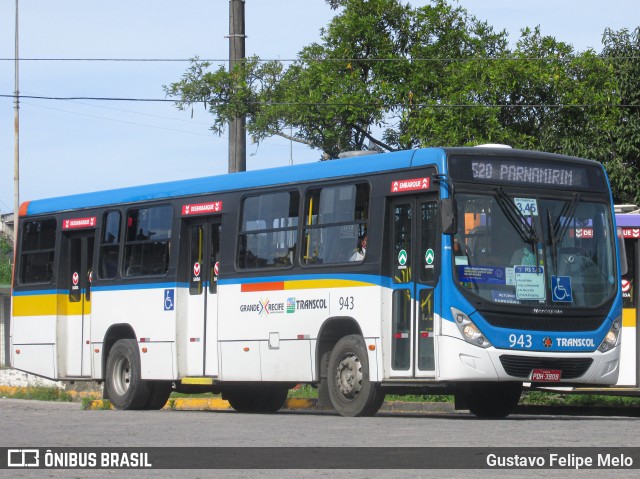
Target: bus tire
(266, 400)
(491, 400)
(159, 392)
(350, 389)
(123, 383)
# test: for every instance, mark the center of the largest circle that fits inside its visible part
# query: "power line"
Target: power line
(317, 60)
(118, 121)
(344, 104)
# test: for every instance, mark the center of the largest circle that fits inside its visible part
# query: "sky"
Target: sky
(69, 147)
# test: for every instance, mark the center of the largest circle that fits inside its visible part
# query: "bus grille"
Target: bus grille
(543, 323)
(521, 366)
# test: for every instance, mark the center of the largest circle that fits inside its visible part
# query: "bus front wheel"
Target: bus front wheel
(350, 389)
(490, 399)
(124, 386)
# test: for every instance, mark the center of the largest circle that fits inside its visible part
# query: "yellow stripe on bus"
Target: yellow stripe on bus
(629, 318)
(323, 284)
(48, 305)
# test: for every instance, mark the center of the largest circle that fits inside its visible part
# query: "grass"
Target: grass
(38, 393)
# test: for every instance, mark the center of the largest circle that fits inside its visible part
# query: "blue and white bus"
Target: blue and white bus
(439, 270)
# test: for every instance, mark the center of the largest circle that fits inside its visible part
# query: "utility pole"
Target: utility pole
(237, 127)
(16, 144)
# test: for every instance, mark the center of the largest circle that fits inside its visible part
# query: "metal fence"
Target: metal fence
(5, 318)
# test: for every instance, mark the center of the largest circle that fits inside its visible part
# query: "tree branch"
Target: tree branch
(372, 139)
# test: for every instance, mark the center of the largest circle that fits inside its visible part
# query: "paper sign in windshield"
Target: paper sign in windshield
(529, 282)
(527, 206)
(481, 274)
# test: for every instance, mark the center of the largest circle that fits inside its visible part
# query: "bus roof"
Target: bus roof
(359, 165)
(239, 181)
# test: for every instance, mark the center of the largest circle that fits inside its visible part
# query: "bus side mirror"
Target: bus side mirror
(448, 216)
(624, 266)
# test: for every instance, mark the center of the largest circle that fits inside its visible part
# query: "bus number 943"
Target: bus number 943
(347, 302)
(520, 340)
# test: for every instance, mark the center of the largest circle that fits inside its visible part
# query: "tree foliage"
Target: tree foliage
(387, 75)
(5, 261)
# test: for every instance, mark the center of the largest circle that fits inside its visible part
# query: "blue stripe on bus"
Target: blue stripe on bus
(38, 292)
(241, 181)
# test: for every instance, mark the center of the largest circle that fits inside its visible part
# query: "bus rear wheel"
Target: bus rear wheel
(265, 399)
(124, 386)
(491, 400)
(350, 389)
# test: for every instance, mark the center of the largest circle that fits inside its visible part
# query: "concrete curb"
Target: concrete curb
(292, 404)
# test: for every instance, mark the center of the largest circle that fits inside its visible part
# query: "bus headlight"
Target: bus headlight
(469, 331)
(612, 338)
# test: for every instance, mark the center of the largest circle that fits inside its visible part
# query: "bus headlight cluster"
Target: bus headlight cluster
(612, 338)
(469, 331)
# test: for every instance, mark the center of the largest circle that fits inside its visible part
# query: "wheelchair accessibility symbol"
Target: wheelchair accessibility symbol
(168, 299)
(561, 289)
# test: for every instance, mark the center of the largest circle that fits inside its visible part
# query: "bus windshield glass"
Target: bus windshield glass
(515, 248)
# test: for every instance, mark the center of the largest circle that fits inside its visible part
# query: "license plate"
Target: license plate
(546, 375)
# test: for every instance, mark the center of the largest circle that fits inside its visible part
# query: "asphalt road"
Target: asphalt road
(47, 424)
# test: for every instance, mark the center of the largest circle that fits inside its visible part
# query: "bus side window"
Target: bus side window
(335, 224)
(109, 245)
(268, 234)
(38, 251)
(148, 238)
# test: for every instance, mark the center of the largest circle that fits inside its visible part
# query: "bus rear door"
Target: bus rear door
(197, 322)
(74, 323)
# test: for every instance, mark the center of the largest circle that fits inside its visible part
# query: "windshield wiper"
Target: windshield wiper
(560, 227)
(519, 221)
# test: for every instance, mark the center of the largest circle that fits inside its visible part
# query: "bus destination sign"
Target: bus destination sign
(529, 172)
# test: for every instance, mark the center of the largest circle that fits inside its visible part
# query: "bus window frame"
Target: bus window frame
(304, 227)
(21, 253)
(241, 232)
(168, 242)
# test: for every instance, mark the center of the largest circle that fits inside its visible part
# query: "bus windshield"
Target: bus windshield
(517, 248)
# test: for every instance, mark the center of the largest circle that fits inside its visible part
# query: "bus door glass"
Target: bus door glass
(414, 267)
(200, 320)
(78, 278)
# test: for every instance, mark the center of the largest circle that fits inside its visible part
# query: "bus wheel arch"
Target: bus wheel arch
(113, 334)
(123, 383)
(331, 331)
(343, 370)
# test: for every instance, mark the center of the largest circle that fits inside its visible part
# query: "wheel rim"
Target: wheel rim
(349, 376)
(121, 378)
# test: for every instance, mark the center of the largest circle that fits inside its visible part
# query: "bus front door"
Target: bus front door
(198, 327)
(73, 329)
(414, 267)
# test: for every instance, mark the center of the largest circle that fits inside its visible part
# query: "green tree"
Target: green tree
(360, 87)
(5, 261)
(622, 52)
(387, 75)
